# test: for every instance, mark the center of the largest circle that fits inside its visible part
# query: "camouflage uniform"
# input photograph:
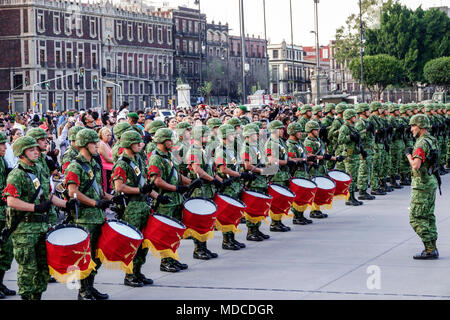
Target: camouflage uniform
(378, 148)
(316, 147)
(333, 134)
(397, 149)
(71, 152)
(326, 123)
(405, 168)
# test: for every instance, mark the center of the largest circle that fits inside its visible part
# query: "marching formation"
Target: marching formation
(225, 174)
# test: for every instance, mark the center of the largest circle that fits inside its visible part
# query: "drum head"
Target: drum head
(200, 206)
(232, 201)
(339, 176)
(258, 195)
(282, 190)
(324, 183)
(67, 236)
(125, 229)
(308, 184)
(169, 221)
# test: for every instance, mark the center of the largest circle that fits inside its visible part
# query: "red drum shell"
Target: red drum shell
(256, 206)
(342, 187)
(281, 203)
(162, 235)
(200, 223)
(303, 194)
(228, 213)
(324, 196)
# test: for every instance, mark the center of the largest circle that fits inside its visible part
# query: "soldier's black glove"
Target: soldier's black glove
(371, 128)
(354, 137)
(364, 154)
(146, 188)
(103, 204)
(291, 164)
(327, 156)
(408, 151)
(300, 162)
(52, 166)
(227, 182)
(197, 183)
(246, 176)
(43, 207)
(182, 189)
(217, 183)
(3, 202)
(119, 199)
(71, 204)
(163, 199)
(340, 158)
(311, 158)
(323, 133)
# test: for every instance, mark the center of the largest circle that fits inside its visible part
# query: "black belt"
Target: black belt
(34, 218)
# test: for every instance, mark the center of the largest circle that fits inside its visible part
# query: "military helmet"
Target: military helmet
(420, 120)
(22, 144)
(362, 107)
(213, 123)
(447, 105)
(348, 114)
(250, 129)
(403, 108)
(374, 106)
(129, 138)
(225, 130)
(201, 131)
(120, 128)
(429, 107)
(293, 128)
(394, 107)
(244, 120)
(155, 125)
(182, 127)
(86, 136)
(316, 109)
(138, 129)
(305, 108)
(412, 106)
(73, 132)
(162, 135)
(3, 138)
(234, 122)
(340, 108)
(37, 133)
(312, 125)
(329, 107)
(258, 124)
(274, 125)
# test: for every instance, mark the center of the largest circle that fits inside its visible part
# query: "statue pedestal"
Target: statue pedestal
(323, 86)
(184, 96)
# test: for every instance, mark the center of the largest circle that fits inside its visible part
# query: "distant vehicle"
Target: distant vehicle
(250, 107)
(259, 98)
(164, 113)
(441, 97)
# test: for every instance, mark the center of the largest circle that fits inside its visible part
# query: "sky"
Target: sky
(332, 15)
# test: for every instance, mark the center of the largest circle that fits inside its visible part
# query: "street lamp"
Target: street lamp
(361, 41)
(200, 42)
(267, 56)
(241, 15)
(316, 32)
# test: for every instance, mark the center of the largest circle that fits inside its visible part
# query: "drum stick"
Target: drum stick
(76, 205)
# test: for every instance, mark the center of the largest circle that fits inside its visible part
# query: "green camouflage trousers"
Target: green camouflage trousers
(31, 255)
(448, 152)
(6, 251)
(351, 164)
(136, 214)
(442, 149)
(340, 165)
(377, 167)
(365, 172)
(421, 216)
(331, 164)
(405, 167)
(396, 153)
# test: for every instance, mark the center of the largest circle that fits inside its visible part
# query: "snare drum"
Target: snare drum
(162, 236)
(69, 253)
(229, 213)
(305, 192)
(258, 205)
(281, 202)
(325, 192)
(343, 181)
(118, 244)
(199, 217)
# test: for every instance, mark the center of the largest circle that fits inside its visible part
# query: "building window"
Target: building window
(196, 26)
(184, 26)
(325, 53)
(177, 24)
(140, 33)
(69, 82)
(93, 27)
(69, 57)
(80, 58)
(130, 32)
(42, 59)
(119, 30)
(67, 25)
(40, 21)
(191, 47)
(58, 57)
(160, 35)
(119, 65)
(56, 23)
(150, 67)
(184, 46)
(196, 46)
(140, 67)
(130, 88)
(79, 26)
(94, 59)
(150, 33)
(169, 36)
(130, 67)
(177, 44)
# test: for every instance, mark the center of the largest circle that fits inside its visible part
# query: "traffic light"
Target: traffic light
(47, 85)
(81, 72)
(95, 79)
(27, 81)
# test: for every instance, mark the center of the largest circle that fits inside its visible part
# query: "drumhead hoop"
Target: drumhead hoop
(339, 175)
(282, 190)
(324, 182)
(233, 201)
(125, 229)
(200, 206)
(258, 194)
(305, 183)
(67, 235)
(169, 220)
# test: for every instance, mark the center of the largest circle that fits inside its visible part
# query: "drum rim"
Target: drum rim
(170, 218)
(267, 195)
(304, 179)
(200, 198)
(64, 226)
(237, 200)
(329, 178)
(339, 171)
(279, 185)
(129, 225)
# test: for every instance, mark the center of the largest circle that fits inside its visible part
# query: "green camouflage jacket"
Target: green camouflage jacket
(296, 149)
(422, 149)
(277, 148)
(70, 154)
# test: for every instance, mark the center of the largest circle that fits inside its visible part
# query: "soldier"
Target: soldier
(367, 132)
(164, 173)
(6, 248)
(325, 127)
(317, 113)
(376, 108)
(227, 163)
(397, 148)
(118, 130)
(153, 127)
(200, 166)
(182, 146)
(277, 155)
(214, 141)
(333, 134)
(27, 218)
(83, 178)
(447, 120)
(423, 160)
(385, 164)
(350, 140)
(239, 140)
(128, 177)
(297, 152)
(72, 151)
(306, 112)
(405, 168)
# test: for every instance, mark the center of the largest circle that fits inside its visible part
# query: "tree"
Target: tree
(437, 71)
(379, 72)
(206, 89)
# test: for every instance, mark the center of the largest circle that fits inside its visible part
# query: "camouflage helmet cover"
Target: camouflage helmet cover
(22, 144)
(86, 136)
(311, 125)
(73, 132)
(129, 138)
(274, 125)
(293, 128)
(420, 120)
(37, 133)
(162, 135)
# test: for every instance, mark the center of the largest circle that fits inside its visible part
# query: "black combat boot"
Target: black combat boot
(141, 277)
(315, 214)
(429, 253)
(404, 180)
(299, 218)
(85, 291)
(3, 288)
(181, 266)
(98, 295)
(240, 244)
(386, 186)
(132, 281)
(394, 183)
(227, 244)
(262, 235)
(36, 296)
(363, 195)
(378, 192)
(252, 234)
(352, 200)
(2, 295)
(278, 226)
(168, 266)
(211, 254)
(199, 251)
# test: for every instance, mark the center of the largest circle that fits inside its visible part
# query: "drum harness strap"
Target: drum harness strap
(93, 181)
(172, 172)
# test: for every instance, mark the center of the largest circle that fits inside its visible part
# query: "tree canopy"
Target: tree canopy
(437, 71)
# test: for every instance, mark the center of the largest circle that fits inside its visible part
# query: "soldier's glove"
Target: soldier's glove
(3, 202)
(323, 133)
(103, 204)
(227, 182)
(217, 183)
(311, 158)
(182, 189)
(354, 137)
(246, 176)
(163, 199)
(364, 154)
(300, 162)
(408, 151)
(146, 188)
(71, 204)
(119, 199)
(291, 164)
(43, 207)
(340, 158)
(197, 183)
(327, 156)
(371, 128)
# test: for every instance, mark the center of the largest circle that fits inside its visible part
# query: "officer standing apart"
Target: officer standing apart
(423, 186)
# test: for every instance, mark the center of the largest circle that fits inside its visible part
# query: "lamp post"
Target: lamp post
(292, 46)
(267, 56)
(200, 42)
(316, 22)
(241, 15)
(361, 41)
